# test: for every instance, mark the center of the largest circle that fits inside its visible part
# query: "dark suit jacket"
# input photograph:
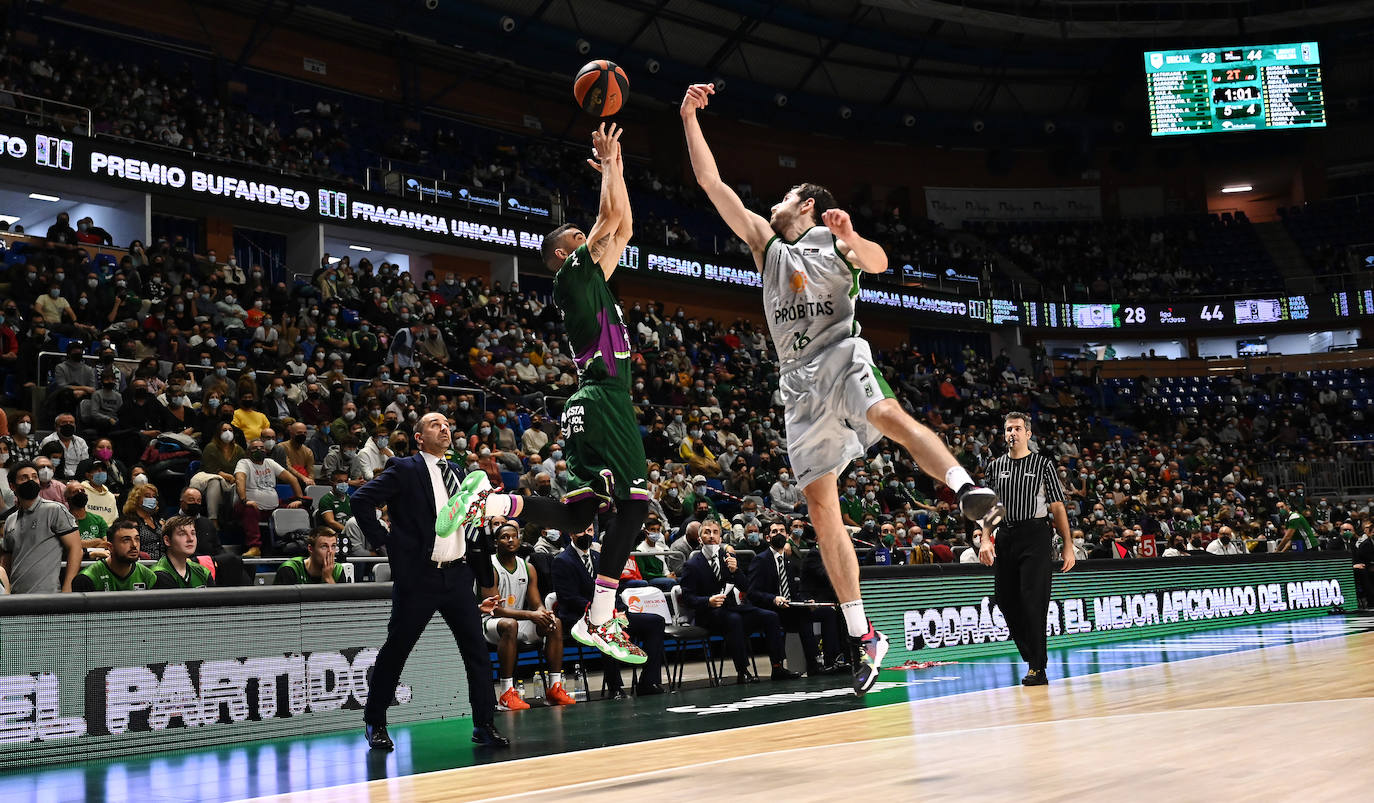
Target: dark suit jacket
(572, 583)
(404, 487)
(763, 579)
(699, 583)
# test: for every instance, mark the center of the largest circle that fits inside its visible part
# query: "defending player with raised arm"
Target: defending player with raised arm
(837, 403)
(603, 445)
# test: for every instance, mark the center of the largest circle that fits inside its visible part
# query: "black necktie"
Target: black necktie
(783, 590)
(715, 567)
(450, 479)
(587, 561)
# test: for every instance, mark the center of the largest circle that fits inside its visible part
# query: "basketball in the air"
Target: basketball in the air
(601, 88)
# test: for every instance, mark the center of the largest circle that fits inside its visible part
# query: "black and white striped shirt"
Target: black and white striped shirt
(1027, 486)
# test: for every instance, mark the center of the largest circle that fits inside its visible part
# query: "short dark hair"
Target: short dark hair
(21, 465)
(122, 524)
(174, 522)
(824, 198)
(550, 245)
(1020, 416)
(318, 533)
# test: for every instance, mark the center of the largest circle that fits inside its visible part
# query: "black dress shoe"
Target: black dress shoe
(783, 673)
(1035, 677)
(489, 736)
(377, 738)
(649, 689)
(744, 678)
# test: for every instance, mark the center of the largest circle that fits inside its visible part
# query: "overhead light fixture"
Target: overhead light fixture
(333, 260)
(38, 196)
(1237, 188)
(9, 220)
(360, 248)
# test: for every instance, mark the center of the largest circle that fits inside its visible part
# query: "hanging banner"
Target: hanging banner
(951, 206)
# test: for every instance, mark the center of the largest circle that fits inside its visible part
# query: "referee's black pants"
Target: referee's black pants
(447, 591)
(1022, 585)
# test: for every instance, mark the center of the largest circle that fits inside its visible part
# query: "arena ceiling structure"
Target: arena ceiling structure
(1007, 72)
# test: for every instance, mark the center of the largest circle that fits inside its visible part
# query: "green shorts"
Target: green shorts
(603, 446)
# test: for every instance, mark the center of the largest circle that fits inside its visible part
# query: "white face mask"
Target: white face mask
(709, 550)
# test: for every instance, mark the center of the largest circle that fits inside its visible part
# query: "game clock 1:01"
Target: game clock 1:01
(1249, 88)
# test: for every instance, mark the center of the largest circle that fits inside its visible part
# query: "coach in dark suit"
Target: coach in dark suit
(703, 579)
(775, 582)
(412, 488)
(573, 581)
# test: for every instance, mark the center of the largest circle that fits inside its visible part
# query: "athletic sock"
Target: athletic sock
(500, 505)
(603, 602)
(507, 684)
(957, 477)
(854, 619)
(555, 678)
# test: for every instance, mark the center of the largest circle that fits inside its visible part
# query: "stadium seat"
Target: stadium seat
(287, 520)
(684, 632)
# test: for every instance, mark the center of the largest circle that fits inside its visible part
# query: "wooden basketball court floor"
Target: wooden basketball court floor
(1276, 711)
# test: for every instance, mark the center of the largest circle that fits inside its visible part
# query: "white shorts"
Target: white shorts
(527, 633)
(827, 403)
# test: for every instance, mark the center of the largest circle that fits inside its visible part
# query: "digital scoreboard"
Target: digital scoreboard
(1235, 89)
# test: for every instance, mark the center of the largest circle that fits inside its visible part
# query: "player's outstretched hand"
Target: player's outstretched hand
(837, 220)
(698, 97)
(488, 605)
(605, 146)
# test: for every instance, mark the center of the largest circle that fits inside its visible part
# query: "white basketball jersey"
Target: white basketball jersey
(512, 587)
(808, 295)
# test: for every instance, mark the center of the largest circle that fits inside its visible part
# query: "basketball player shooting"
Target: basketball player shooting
(837, 403)
(604, 448)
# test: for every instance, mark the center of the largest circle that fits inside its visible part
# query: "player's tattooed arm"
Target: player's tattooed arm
(601, 246)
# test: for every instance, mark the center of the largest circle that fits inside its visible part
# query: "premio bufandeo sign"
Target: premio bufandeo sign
(151, 698)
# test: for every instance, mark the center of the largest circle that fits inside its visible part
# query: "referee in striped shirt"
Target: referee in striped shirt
(1029, 487)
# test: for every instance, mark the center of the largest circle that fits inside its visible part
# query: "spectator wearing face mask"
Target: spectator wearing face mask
(1225, 543)
(255, 480)
(785, 496)
(694, 453)
(100, 499)
(73, 379)
(74, 448)
(651, 567)
(142, 508)
(700, 493)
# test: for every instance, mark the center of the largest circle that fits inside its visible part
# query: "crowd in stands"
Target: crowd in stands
(180, 401)
(172, 103)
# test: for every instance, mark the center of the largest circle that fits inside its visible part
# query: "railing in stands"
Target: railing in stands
(39, 112)
(1322, 477)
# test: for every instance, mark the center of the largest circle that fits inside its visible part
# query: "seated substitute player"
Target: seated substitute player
(177, 568)
(706, 578)
(317, 566)
(121, 571)
(837, 404)
(520, 618)
(604, 447)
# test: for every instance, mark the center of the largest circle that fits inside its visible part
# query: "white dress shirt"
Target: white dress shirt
(436, 481)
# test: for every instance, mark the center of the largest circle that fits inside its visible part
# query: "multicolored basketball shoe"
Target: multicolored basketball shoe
(872, 648)
(609, 638)
(465, 508)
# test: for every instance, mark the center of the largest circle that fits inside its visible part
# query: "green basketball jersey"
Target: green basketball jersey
(596, 328)
(198, 575)
(297, 567)
(140, 579)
